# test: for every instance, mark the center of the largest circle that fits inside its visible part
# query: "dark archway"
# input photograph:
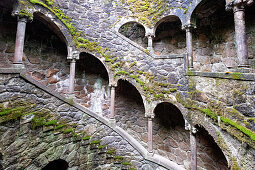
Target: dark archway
(169, 115)
(92, 84)
(169, 37)
(214, 37)
(169, 135)
(209, 154)
(135, 32)
(8, 26)
(58, 164)
(130, 111)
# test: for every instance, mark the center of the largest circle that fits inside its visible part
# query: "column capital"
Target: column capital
(74, 55)
(238, 5)
(113, 84)
(189, 27)
(150, 35)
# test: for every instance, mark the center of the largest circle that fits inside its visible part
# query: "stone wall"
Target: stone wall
(27, 148)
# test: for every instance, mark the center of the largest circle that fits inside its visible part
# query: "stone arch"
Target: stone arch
(229, 150)
(164, 19)
(129, 111)
(169, 134)
(92, 83)
(135, 32)
(133, 83)
(164, 106)
(127, 20)
(101, 59)
(206, 145)
(58, 164)
(169, 36)
(57, 26)
(214, 35)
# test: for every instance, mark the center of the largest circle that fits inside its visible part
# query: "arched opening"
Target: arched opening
(170, 138)
(250, 30)
(169, 37)
(135, 32)
(214, 37)
(58, 164)
(8, 26)
(209, 155)
(91, 84)
(45, 54)
(130, 111)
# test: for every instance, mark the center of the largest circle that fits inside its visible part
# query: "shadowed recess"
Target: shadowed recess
(58, 164)
(91, 65)
(169, 115)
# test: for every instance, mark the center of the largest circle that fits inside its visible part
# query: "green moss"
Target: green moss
(236, 75)
(111, 151)
(101, 146)
(86, 138)
(190, 73)
(51, 123)
(173, 89)
(25, 13)
(37, 122)
(70, 101)
(239, 127)
(95, 142)
(118, 157)
(69, 130)
(126, 163)
(60, 126)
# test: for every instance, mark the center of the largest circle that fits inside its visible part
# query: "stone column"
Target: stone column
(189, 45)
(150, 148)
(238, 7)
(150, 42)
(72, 77)
(20, 37)
(193, 149)
(112, 106)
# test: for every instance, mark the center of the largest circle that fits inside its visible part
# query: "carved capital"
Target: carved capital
(189, 27)
(238, 5)
(73, 54)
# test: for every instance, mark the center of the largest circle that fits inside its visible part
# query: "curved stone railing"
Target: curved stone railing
(155, 158)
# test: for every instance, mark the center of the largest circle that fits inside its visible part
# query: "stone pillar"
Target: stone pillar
(238, 7)
(193, 149)
(112, 106)
(189, 45)
(150, 42)
(72, 77)
(150, 148)
(20, 37)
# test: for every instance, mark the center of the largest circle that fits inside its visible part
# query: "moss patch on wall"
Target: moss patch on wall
(20, 110)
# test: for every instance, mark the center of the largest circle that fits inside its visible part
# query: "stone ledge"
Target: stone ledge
(133, 142)
(170, 56)
(224, 75)
(11, 70)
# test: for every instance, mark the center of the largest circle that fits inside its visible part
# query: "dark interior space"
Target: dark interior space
(135, 32)
(209, 154)
(127, 90)
(169, 37)
(90, 65)
(58, 164)
(169, 116)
